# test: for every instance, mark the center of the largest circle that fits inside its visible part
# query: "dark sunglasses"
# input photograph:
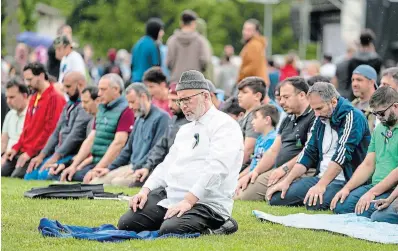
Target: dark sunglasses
(382, 113)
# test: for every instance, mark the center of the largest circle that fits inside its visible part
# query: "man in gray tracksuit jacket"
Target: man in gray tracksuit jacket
(69, 134)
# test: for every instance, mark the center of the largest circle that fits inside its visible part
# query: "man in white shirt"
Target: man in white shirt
(191, 191)
(17, 99)
(70, 59)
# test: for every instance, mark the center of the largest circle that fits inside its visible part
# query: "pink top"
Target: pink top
(162, 104)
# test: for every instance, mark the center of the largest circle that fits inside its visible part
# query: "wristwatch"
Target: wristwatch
(285, 168)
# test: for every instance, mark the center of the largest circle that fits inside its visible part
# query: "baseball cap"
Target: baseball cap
(367, 71)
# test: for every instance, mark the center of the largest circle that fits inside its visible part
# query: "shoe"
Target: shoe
(229, 227)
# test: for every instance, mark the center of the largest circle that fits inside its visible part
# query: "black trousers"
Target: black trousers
(150, 218)
(9, 170)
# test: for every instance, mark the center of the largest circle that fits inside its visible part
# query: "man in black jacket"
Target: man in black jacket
(366, 54)
(161, 149)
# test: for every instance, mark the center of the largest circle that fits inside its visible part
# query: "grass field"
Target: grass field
(20, 218)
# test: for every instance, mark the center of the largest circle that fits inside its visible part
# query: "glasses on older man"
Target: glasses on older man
(382, 113)
(186, 100)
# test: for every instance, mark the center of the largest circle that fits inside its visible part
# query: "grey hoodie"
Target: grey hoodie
(186, 51)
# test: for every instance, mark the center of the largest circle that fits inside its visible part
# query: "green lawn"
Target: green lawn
(21, 216)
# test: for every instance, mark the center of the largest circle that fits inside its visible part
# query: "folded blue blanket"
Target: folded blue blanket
(103, 233)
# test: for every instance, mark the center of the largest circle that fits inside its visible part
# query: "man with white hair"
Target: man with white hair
(191, 190)
(337, 146)
(113, 123)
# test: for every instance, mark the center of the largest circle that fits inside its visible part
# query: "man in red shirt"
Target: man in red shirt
(45, 107)
(156, 82)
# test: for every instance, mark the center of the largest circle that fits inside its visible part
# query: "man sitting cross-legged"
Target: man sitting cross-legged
(288, 143)
(339, 139)
(191, 190)
(150, 126)
(113, 123)
(382, 158)
(162, 147)
(69, 134)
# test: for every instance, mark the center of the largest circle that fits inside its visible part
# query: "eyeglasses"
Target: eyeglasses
(186, 100)
(382, 113)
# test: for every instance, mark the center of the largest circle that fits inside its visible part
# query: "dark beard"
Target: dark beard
(180, 114)
(75, 97)
(390, 121)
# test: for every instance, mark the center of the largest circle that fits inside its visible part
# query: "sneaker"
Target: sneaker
(229, 227)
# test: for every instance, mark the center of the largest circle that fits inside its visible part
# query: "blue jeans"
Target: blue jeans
(348, 206)
(389, 215)
(297, 191)
(43, 175)
(78, 176)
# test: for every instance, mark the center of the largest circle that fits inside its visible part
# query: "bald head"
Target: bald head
(75, 78)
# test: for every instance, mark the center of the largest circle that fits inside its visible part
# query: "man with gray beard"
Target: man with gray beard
(191, 190)
(151, 124)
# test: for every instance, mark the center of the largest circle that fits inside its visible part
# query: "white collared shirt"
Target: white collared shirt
(208, 167)
(13, 126)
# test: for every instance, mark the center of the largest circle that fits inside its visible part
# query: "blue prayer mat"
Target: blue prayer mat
(103, 233)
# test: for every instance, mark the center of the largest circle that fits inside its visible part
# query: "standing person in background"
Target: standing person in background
(254, 61)
(328, 69)
(123, 58)
(21, 58)
(187, 49)
(274, 75)
(145, 52)
(228, 71)
(289, 70)
(342, 79)
(53, 63)
(202, 29)
(311, 69)
(70, 59)
(112, 66)
(229, 51)
(366, 53)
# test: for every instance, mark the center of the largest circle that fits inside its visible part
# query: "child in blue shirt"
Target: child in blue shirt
(265, 119)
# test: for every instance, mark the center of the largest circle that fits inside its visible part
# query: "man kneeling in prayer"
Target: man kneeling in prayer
(191, 190)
